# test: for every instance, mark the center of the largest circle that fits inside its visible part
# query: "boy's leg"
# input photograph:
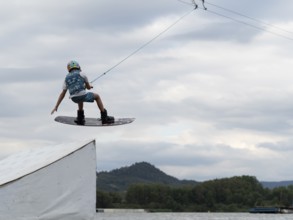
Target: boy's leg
(99, 102)
(80, 106)
(80, 114)
(104, 115)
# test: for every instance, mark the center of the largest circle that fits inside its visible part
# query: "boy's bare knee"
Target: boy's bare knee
(96, 96)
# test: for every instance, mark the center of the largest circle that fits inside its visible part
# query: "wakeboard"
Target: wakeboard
(93, 122)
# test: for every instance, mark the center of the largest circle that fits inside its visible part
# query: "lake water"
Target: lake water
(191, 216)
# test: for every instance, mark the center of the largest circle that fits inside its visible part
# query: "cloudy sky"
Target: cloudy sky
(212, 96)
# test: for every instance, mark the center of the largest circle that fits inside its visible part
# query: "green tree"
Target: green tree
(103, 200)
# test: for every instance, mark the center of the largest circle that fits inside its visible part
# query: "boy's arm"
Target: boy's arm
(88, 85)
(61, 97)
(86, 81)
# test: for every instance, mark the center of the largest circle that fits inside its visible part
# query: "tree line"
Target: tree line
(236, 194)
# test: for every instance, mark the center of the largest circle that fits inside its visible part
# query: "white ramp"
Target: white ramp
(49, 183)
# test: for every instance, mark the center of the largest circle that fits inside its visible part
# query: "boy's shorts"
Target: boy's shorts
(89, 97)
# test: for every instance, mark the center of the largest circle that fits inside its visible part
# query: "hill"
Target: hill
(272, 185)
(120, 179)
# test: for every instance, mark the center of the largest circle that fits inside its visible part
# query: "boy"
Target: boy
(77, 83)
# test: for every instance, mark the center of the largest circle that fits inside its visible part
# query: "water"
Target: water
(190, 216)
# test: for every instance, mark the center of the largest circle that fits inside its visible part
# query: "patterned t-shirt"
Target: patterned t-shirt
(75, 83)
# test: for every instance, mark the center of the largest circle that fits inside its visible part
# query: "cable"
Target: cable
(251, 18)
(210, 11)
(243, 22)
(251, 25)
(144, 45)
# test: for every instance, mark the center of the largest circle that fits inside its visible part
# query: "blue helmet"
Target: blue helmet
(73, 65)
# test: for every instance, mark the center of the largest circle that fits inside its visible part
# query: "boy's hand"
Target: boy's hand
(88, 86)
(54, 110)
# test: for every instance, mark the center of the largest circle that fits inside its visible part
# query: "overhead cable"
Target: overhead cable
(147, 43)
(259, 24)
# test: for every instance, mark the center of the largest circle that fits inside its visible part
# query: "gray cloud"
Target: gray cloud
(208, 95)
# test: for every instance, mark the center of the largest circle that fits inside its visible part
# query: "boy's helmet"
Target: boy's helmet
(73, 65)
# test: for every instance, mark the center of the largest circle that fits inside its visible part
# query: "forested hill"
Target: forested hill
(120, 179)
(143, 172)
